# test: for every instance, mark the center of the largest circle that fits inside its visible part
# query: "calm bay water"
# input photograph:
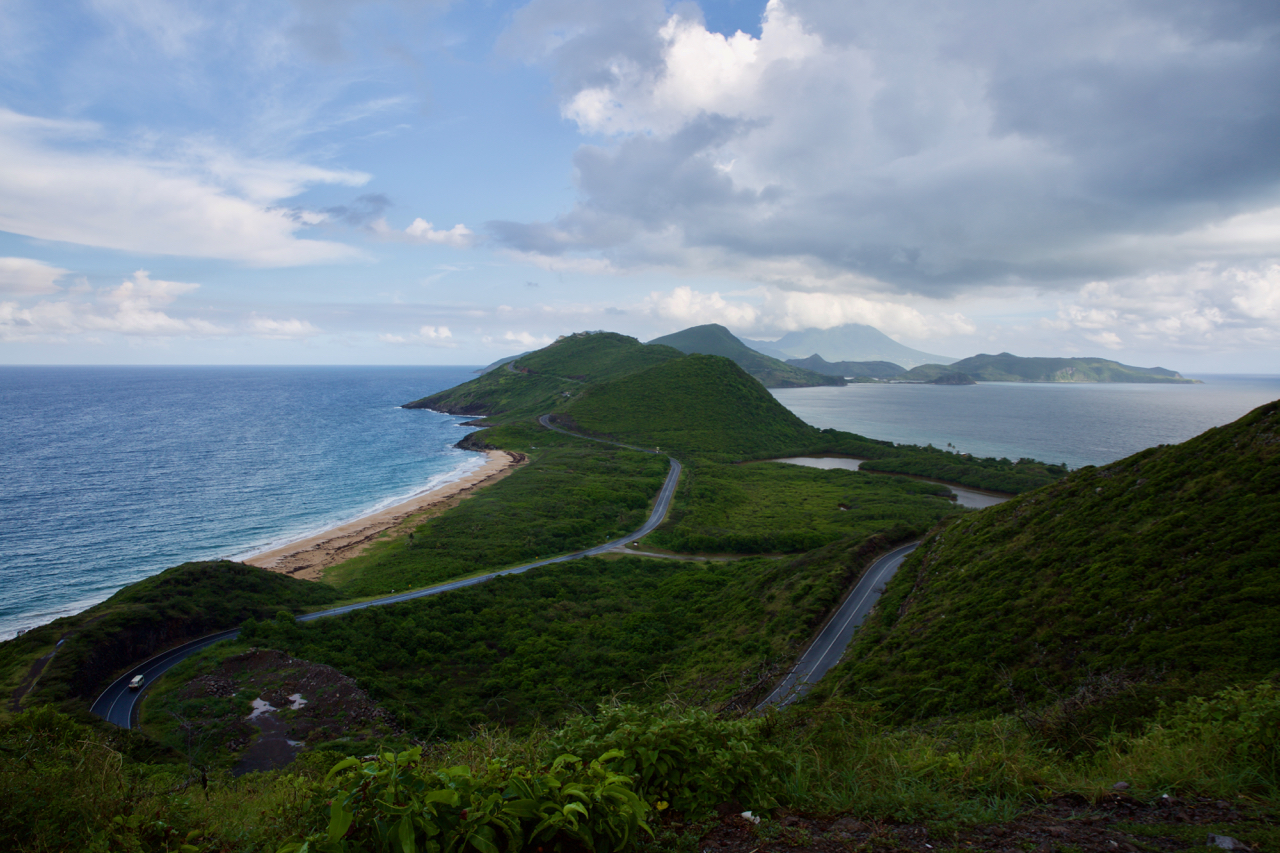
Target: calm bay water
(1079, 424)
(111, 474)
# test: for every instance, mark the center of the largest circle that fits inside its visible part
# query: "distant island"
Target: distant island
(1007, 367)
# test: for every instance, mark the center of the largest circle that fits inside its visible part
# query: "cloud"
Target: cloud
(921, 148)
(193, 201)
(292, 329)
(1210, 307)
(771, 310)
(431, 336)
(134, 308)
(421, 231)
(528, 340)
(23, 276)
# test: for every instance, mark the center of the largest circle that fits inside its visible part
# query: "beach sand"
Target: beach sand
(309, 558)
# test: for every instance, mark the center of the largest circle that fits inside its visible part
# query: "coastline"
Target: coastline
(308, 559)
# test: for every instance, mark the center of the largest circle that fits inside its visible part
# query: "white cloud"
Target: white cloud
(528, 340)
(292, 329)
(772, 310)
(1207, 307)
(422, 231)
(435, 333)
(23, 276)
(195, 202)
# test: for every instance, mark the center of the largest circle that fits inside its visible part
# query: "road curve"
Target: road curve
(118, 704)
(828, 647)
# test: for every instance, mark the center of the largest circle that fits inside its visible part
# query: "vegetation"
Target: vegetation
(769, 507)
(545, 380)
(600, 492)
(536, 646)
(1157, 572)
(701, 404)
(714, 339)
(1006, 367)
(178, 604)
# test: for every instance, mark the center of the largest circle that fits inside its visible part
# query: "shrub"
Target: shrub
(690, 759)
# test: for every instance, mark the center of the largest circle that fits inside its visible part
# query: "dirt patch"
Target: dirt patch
(293, 704)
(1117, 824)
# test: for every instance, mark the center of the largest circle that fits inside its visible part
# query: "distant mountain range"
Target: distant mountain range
(850, 342)
(858, 369)
(714, 339)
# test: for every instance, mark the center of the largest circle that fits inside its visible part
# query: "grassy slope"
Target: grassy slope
(1159, 566)
(545, 380)
(695, 404)
(714, 339)
(1011, 368)
(769, 507)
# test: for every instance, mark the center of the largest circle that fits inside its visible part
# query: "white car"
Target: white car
(136, 682)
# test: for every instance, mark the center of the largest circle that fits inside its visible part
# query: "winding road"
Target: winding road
(829, 646)
(118, 704)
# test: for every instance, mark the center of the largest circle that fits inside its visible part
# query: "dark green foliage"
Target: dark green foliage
(1162, 565)
(768, 507)
(1011, 368)
(558, 639)
(178, 604)
(696, 404)
(995, 475)
(394, 803)
(714, 339)
(545, 380)
(689, 759)
(575, 494)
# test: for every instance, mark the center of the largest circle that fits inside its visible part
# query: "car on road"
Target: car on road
(136, 682)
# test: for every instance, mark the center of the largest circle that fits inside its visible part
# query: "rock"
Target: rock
(1120, 786)
(1226, 842)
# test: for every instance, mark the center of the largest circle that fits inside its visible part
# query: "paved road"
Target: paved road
(829, 646)
(118, 704)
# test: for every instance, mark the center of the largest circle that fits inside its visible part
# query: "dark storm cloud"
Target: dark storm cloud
(931, 145)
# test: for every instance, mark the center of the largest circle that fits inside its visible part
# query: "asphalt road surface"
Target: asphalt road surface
(829, 646)
(118, 704)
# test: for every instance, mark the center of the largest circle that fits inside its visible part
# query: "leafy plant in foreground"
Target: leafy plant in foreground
(690, 759)
(391, 802)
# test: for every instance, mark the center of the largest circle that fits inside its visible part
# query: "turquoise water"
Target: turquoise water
(111, 474)
(1079, 424)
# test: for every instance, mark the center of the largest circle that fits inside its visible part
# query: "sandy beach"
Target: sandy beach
(309, 558)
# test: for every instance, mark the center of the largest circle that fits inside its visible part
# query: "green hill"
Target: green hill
(714, 339)
(1006, 367)
(1159, 570)
(699, 403)
(545, 380)
(868, 369)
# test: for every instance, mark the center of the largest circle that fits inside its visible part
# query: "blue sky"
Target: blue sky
(365, 182)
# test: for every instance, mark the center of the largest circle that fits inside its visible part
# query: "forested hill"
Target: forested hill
(1007, 367)
(699, 403)
(1159, 570)
(546, 379)
(714, 339)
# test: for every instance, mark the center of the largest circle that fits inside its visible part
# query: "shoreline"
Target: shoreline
(309, 558)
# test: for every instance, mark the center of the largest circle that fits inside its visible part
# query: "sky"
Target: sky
(433, 182)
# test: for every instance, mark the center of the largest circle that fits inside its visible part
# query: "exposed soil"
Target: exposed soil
(297, 703)
(1117, 824)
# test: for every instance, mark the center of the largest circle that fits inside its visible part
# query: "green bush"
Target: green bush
(690, 759)
(392, 802)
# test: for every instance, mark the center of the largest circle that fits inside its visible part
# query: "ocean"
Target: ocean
(1077, 424)
(111, 474)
